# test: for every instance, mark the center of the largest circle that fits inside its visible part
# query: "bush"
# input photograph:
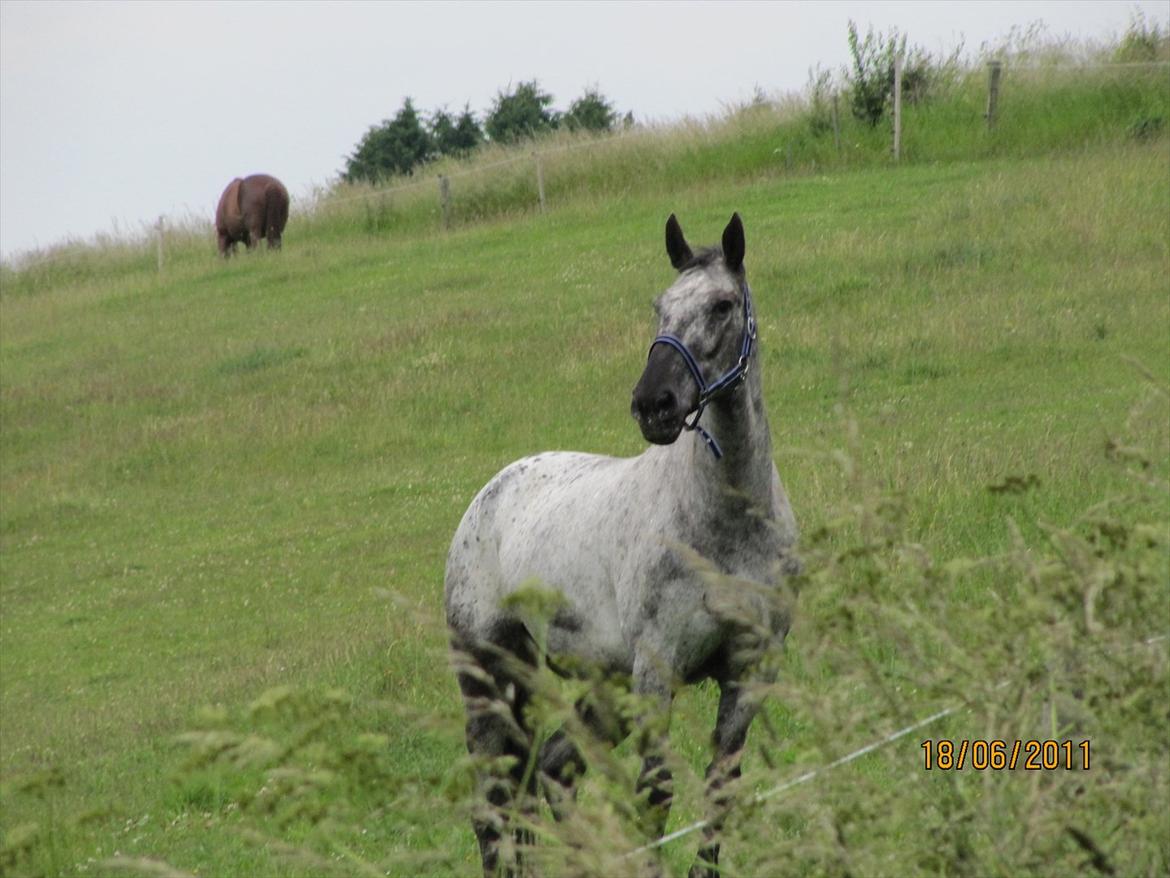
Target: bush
(871, 79)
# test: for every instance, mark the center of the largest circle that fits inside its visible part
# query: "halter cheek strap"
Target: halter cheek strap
(728, 380)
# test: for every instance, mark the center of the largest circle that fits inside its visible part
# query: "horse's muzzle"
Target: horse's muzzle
(663, 397)
(659, 420)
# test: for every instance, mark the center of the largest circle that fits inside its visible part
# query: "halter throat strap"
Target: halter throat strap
(730, 379)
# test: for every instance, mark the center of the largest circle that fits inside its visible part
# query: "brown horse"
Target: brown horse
(251, 208)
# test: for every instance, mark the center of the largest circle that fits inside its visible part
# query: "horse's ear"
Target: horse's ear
(733, 246)
(676, 245)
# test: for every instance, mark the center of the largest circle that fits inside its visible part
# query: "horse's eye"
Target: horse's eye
(722, 308)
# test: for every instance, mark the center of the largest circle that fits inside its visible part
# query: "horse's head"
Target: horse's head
(705, 334)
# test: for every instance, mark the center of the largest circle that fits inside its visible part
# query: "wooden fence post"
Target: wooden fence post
(897, 108)
(993, 71)
(159, 230)
(539, 180)
(445, 200)
(836, 125)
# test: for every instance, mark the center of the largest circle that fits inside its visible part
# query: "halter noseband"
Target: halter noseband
(726, 381)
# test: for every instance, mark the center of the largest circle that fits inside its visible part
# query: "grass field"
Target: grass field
(228, 493)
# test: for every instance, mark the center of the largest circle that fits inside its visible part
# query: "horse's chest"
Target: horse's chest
(688, 601)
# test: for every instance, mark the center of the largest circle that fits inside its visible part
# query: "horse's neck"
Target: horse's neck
(723, 490)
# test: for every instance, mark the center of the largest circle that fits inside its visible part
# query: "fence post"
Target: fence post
(836, 125)
(993, 70)
(897, 107)
(445, 200)
(159, 230)
(539, 180)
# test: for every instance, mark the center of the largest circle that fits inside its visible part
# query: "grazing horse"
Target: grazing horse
(647, 554)
(249, 209)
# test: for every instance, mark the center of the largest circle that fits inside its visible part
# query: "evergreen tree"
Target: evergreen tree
(455, 136)
(522, 112)
(396, 146)
(590, 112)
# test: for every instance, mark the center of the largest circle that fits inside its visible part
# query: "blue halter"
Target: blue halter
(726, 381)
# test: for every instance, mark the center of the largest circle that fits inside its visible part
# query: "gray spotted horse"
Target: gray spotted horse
(641, 551)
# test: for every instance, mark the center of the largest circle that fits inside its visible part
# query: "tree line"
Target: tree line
(399, 145)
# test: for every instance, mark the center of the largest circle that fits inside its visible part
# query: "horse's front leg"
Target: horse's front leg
(653, 738)
(736, 712)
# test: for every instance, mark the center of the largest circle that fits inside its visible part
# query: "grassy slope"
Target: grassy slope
(246, 475)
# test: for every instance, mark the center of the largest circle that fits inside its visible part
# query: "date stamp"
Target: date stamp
(946, 755)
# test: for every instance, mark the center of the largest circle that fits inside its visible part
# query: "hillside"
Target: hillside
(229, 490)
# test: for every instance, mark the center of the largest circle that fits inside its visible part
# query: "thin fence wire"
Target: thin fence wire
(800, 779)
(1082, 67)
(428, 181)
(478, 169)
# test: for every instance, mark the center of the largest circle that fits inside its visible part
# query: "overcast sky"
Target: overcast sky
(114, 113)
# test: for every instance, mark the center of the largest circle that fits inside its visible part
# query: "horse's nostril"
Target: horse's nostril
(654, 404)
(664, 404)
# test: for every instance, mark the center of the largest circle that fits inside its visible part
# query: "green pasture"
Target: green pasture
(228, 492)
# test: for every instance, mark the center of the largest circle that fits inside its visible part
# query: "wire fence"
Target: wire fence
(995, 70)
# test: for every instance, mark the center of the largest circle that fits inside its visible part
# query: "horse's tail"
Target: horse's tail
(275, 211)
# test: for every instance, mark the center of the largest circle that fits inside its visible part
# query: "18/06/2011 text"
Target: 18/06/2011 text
(1031, 755)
